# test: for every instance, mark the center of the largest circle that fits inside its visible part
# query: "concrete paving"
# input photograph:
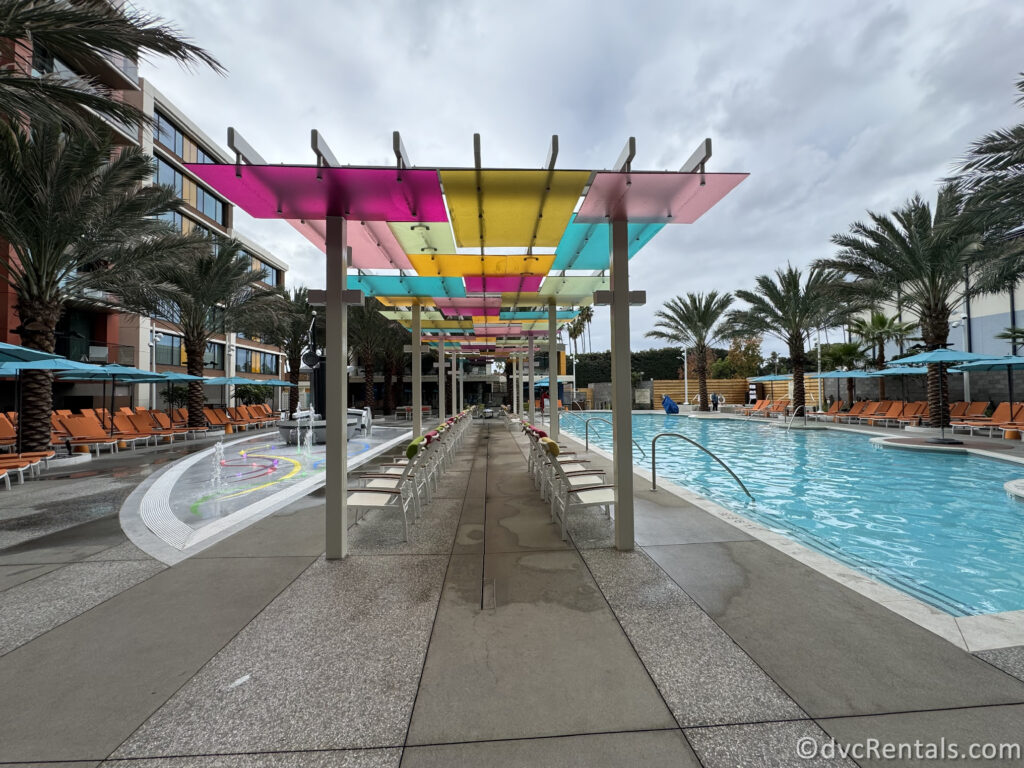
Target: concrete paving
(482, 640)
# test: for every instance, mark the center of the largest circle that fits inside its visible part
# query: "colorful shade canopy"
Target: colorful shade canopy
(483, 252)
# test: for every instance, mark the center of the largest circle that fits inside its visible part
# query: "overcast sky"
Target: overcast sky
(833, 107)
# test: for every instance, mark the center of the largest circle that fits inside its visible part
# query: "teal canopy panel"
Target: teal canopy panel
(586, 246)
(538, 315)
(412, 286)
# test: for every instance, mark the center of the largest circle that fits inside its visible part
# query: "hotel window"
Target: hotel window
(246, 360)
(268, 362)
(168, 350)
(214, 356)
(167, 176)
(167, 133)
(173, 218)
(168, 311)
(209, 205)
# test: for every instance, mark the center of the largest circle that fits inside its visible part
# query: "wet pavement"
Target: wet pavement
(482, 640)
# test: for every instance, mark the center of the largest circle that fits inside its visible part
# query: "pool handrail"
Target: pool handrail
(793, 417)
(654, 460)
(586, 432)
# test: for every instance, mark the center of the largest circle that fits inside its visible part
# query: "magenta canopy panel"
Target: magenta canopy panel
(469, 306)
(654, 197)
(503, 283)
(499, 329)
(309, 192)
(374, 245)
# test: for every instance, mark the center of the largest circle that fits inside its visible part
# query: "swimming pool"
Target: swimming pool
(939, 527)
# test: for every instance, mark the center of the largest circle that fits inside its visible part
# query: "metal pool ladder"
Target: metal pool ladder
(654, 460)
(793, 417)
(586, 431)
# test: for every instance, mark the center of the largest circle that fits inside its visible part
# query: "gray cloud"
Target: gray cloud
(834, 108)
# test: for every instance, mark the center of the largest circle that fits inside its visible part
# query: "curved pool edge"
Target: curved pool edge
(971, 633)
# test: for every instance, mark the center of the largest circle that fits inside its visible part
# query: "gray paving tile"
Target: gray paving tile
(67, 543)
(292, 531)
(124, 658)
(380, 532)
(1010, 660)
(347, 758)
(88, 764)
(123, 551)
(32, 608)
(835, 652)
(930, 731)
(332, 663)
(673, 521)
(520, 524)
(652, 749)
(549, 659)
(703, 675)
(764, 745)
(13, 575)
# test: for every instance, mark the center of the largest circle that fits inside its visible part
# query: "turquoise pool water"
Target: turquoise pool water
(939, 527)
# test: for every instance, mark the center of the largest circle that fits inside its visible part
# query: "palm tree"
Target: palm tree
(992, 175)
(291, 334)
(844, 355)
(586, 317)
(576, 328)
(876, 331)
(693, 323)
(86, 35)
(789, 307)
(367, 329)
(923, 256)
(392, 358)
(212, 289)
(76, 220)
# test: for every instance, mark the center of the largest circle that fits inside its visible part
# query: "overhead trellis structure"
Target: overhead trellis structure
(477, 261)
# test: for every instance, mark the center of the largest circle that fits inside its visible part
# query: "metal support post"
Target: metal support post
(462, 384)
(417, 371)
(622, 385)
(532, 409)
(440, 380)
(455, 389)
(336, 349)
(552, 371)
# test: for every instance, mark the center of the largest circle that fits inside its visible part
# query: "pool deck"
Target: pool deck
(483, 640)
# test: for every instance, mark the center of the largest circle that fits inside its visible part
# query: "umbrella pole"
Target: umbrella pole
(1009, 386)
(21, 421)
(113, 389)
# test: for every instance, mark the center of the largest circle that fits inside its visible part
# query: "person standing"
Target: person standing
(714, 401)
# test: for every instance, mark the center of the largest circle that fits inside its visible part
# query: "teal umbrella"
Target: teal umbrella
(12, 353)
(277, 383)
(222, 381)
(113, 372)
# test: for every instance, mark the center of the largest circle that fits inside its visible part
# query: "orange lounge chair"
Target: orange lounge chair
(779, 409)
(892, 413)
(856, 409)
(88, 432)
(832, 410)
(20, 465)
(757, 406)
(876, 409)
(1000, 415)
(913, 414)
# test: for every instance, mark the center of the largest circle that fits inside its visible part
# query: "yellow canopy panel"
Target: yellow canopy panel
(515, 204)
(461, 265)
(403, 301)
(423, 236)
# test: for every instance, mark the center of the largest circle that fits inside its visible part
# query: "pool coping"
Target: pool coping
(970, 633)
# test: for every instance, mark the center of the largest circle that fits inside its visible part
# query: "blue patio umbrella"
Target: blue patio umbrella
(223, 381)
(12, 353)
(940, 357)
(1010, 362)
(113, 372)
(277, 383)
(14, 369)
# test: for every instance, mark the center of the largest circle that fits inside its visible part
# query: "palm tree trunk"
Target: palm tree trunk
(389, 393)
(293, 376)
(796, 356)
(368, 398)
(938, 397)
(195, 352)
(700, 353)
(879, 364)
(38, 323)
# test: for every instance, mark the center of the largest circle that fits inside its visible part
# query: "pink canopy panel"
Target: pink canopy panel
(309, 192)
(654, 197)
(503, 283)
(490, 307)
(497, 329)
(374, 245)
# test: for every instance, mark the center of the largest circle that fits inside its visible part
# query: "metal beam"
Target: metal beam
(532, 405)
(401, 156)
(417, 370)
(552, 153)
(323, 153)
(698, 159)
(622, 386)
(336, 350)
(243, 150)
(455, 389)
(440, 380)
(625, 159)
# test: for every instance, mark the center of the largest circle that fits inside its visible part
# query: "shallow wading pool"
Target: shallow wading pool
(939, 527)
